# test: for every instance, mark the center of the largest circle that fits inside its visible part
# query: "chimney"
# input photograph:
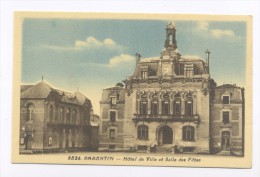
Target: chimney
(207, 58)
(137, 57)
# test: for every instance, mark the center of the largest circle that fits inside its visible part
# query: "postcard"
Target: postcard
(132, 89)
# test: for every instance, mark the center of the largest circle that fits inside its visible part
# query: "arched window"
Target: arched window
(177, 107)
(188, 133)
(51, 113)
(166, 104)
(74, 116)
(170, 39)
(68, 116)
(142, 132)
(154, 105)
(189, 107)
(62, 114)
(165, 107)
(30, 109)
(143, 107)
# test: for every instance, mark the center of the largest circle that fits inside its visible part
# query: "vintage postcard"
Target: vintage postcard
(132, 89)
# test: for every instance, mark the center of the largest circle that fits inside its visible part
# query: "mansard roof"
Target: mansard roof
(226, 86)
(153, 65)
(114, 88)
(42, 90)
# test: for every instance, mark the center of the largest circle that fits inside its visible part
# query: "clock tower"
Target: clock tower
(170, 54)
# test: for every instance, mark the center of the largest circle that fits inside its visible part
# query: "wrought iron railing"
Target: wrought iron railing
(170, 117)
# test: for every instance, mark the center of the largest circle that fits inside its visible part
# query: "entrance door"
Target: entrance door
(225, 140)
(165, 135)
(28, 142)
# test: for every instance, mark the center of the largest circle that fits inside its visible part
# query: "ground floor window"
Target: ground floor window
(112, 147)
(188, 149)
(142, 147)
(112, 133)
(142, 132)
(188, 133)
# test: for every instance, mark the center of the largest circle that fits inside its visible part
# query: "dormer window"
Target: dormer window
(225, 100)
(144, 74)
(113, 100)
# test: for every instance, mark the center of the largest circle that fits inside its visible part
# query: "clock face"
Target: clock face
(166, 70)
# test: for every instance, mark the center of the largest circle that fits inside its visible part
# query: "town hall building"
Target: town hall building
(171, 102)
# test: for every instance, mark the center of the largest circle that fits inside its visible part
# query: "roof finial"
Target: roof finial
(77, 88)
(42, 78)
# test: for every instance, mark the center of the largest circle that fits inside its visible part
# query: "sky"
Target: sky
(94, 54)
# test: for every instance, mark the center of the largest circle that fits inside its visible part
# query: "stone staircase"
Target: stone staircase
(164, 148)
(224, 153)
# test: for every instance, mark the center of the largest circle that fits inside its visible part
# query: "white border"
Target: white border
(232, 7)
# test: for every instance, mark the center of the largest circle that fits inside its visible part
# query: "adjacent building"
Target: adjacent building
(54, 120)
(171, 101)
(227, 119)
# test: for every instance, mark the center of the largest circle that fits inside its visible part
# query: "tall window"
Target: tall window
(179, 69)
(51, 113)
(68, 116)
(112, 116)
(225, 99)
(74, 116)
(154, 109)
(62, 114)
(142, 132)
(30, 109)
(225, 117)
(144, 74)
(188, 133)
(165, 108)
(143, 107)
(177, 107)
(188, 107)
(113, 100)
(112, 133)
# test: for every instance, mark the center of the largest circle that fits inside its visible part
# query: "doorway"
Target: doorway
(165, 135)
(225, 140)
(28, 142)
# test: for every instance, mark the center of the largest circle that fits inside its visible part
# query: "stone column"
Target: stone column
(171, 106)
(70, 138)
(182, 104)
(160, 106)
(64, 139)
(149, 106)
(138, 106)
(194, 106)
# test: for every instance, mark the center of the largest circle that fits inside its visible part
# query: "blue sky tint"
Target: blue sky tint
(95, 54)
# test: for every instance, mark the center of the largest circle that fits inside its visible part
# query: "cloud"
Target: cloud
(217, 33)
(120, 59)
(117, 61)
(90, 43)
(202, 28)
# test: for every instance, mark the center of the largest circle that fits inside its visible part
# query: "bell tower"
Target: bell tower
(170, 54)
(170, 42)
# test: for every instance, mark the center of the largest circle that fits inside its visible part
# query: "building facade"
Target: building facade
(54, 120)
(112, 106)
(169, 101)
(227, 119)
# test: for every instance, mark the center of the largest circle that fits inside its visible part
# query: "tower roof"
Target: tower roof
(40, 90)
(171, 25)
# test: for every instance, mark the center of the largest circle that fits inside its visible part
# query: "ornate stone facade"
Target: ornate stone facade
(168, 102)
